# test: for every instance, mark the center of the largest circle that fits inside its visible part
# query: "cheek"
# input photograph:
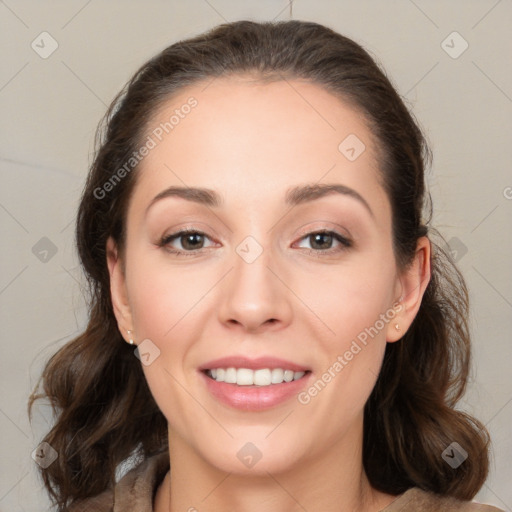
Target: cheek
(164, 299)
(352, 299)
(167, 304)
(355, 304)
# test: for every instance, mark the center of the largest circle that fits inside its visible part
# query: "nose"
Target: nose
(255, 297)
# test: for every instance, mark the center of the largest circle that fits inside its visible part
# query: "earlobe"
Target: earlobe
(413, 282)
(118, 292)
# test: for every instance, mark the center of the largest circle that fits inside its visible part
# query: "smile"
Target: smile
(254, 384)
(248, 377)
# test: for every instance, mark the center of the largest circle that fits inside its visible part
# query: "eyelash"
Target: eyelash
(345, 242)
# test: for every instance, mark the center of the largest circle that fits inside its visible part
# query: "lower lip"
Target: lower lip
(254, 398)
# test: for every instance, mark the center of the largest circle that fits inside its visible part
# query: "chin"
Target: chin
(251, 461)
(255, 453)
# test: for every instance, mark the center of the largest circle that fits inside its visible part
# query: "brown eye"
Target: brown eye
(191, 241)
(323, 241)
(187, 241)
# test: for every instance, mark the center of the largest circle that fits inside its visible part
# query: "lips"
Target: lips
(254, 384)
(253, 364)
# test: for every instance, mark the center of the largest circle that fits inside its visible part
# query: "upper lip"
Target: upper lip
(253, 364)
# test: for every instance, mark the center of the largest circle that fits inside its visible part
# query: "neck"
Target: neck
(332, 482)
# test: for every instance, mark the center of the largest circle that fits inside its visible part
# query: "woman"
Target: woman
(269, 317)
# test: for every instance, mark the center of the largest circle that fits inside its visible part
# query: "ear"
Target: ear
(118, 290)
(412, 283)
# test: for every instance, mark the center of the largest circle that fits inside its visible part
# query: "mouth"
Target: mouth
(254, 384)
(260, 377)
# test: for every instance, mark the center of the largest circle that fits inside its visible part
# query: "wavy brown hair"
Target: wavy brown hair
(104, 409)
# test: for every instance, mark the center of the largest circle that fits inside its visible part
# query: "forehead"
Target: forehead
(250, 139)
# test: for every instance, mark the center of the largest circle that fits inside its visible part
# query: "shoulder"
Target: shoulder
(135, 491)
(416, 500)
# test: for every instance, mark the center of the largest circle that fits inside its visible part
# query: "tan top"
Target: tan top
(136, 491)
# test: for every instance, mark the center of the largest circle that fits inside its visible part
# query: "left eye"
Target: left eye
(323, 240)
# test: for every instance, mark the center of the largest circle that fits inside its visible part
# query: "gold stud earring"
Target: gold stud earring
(130, 335)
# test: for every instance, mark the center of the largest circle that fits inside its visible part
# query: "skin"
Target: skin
(251, 142)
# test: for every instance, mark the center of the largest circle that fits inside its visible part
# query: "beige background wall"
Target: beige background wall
(50, 107)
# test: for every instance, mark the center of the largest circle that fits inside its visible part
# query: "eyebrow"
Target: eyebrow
(305, 193)
(297, 195)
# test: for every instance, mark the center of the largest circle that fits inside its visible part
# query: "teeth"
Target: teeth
(260, 377)
(288, 376)
(277, 376)
(230, 376)
(244, 377)
(263, 377)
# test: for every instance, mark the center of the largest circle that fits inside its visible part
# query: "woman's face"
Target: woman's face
(257, 294)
